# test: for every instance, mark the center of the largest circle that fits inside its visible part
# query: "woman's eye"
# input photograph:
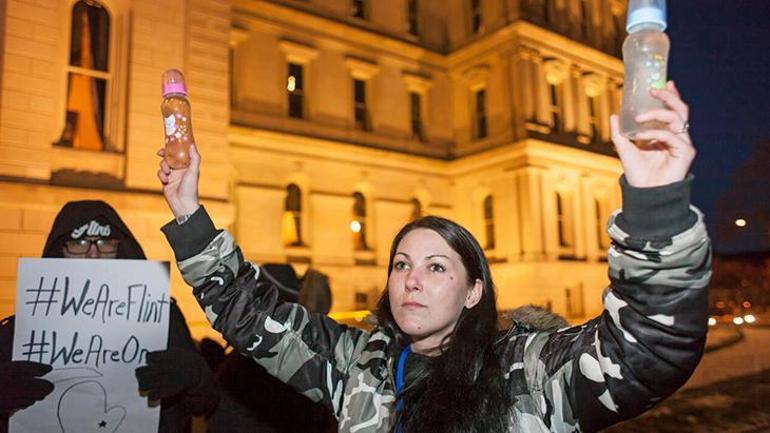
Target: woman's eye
(435, 267)
(399, 265)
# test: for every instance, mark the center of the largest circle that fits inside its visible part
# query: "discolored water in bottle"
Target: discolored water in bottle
(177, 121)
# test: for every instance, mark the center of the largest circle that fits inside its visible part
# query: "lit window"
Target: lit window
(88, 77)
(358, 225)
(292, 216)
(295, 90)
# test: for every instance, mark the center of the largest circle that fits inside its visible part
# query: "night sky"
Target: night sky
(720, 60)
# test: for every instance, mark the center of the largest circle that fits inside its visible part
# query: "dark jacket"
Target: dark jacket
(644, 346)
(176, 412)
(253, 400)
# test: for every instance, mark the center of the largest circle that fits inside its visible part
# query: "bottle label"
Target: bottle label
(170, 123)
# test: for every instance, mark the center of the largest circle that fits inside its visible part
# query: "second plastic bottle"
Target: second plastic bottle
(645, 59)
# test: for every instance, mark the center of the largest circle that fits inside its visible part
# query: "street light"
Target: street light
(740, 222)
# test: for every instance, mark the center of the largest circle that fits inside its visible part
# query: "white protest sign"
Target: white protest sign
(94, 321)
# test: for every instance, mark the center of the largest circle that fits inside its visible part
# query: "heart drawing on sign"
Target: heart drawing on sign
(83, 409)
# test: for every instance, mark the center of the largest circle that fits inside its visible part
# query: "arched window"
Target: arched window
(88, 77)
(489, 222)
(292, 216)
(358, 225)
(416, 209)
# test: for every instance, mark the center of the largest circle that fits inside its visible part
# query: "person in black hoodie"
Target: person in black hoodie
(178, 376)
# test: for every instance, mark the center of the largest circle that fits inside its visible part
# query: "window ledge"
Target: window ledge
(298, 254)
(107, 164)
(364, 257)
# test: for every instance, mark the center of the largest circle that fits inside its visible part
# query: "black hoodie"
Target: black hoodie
(79, 218)
(97, 218)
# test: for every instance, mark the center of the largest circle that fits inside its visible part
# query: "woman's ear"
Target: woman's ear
(474, 294)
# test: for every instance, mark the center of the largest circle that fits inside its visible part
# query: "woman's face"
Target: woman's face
(428, 288)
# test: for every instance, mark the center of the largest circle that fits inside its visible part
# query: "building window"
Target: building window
(411, 13)
(358, 9)
(547, 13)
(292, 217)
(481, 114)
(601, 231)
(416, 209)
(415, 103)
(358, 225)
(476, 22)
(295, 90)
(360, 111)
(489, 222)
(620, 32)
(585, 18)
(593, 117)
(88, 77)
(556, 116)
(231, 76)
(564, 223)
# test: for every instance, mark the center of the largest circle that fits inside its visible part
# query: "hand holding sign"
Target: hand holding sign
(21, 386)
(168, 373)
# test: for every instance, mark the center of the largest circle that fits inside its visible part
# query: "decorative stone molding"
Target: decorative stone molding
(297, 52)
(416, 82)
(238, 36)
(593, 84)
(555, 70)
(477, 76)
(361, 69)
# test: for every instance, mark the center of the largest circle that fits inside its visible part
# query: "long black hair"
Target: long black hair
(462, 389)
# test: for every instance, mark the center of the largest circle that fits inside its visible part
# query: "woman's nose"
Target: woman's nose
(413, 281)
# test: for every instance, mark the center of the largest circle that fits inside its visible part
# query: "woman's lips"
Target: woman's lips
(412, 305)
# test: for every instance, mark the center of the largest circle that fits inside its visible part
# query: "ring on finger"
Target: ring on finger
(685, 128)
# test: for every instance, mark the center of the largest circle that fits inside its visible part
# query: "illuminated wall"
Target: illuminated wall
(493, 113)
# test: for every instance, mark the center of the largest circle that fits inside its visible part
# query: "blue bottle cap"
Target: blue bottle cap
(646, 12)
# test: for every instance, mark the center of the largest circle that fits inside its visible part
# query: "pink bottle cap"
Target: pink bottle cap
(173, 82)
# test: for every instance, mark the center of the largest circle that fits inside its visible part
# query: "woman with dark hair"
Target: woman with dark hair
(436, 361)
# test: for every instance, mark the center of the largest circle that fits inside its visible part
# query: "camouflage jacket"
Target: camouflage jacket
(644, 345)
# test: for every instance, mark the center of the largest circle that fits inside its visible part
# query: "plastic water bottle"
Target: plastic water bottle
(645, 58)
(177, 123)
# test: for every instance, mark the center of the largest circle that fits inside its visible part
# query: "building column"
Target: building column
(524, 84)
(540, 91)
(531, 215)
